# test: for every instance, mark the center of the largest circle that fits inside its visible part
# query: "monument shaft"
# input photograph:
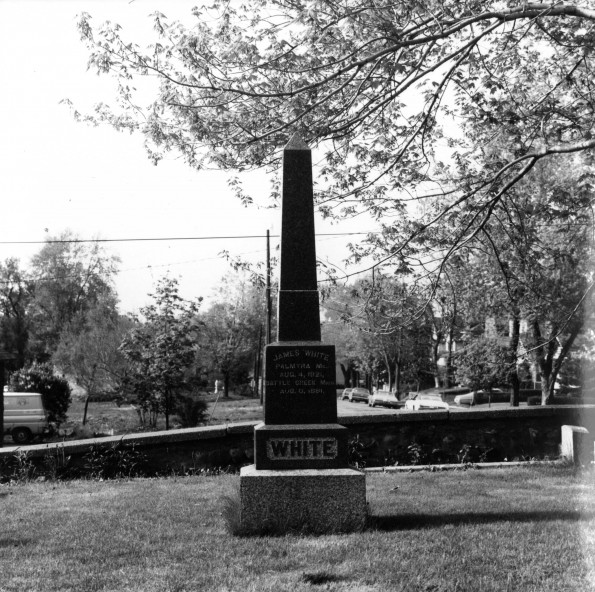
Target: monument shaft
(298, 310)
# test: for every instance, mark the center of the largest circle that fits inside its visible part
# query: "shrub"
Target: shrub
(416, 454)
(56, 465)
(18, 468)
(114, 462)
(356, 453)
(54, 390)
(190, 411)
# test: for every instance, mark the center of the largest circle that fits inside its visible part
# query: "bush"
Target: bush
(190, 411)
(117, 461)
(54, 390)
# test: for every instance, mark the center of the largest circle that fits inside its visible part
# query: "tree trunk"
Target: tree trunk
(86, 407)
(389, 373)
(167, 409)
(514, 375)
(435, 359)
(2, 379)
(547, 389)
(448, 381)
(345, 372)
(226, 385)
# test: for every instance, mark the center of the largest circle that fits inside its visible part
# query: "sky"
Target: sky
(57, 174)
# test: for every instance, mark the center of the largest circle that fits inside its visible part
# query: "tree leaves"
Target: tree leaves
(162, 349)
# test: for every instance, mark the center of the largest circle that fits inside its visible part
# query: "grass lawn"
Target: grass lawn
(521, 529)
(106, 415)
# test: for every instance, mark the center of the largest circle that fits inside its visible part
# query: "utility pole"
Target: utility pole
(257, 365)
(268, 289)
(268, 307)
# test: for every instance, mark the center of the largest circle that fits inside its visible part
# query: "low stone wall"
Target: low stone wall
(434, 436)
(175, 451)
(475, 435)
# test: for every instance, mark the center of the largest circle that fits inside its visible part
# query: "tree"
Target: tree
(161, 351)
(70, 277)
(90, 354)
(382, 88)
(443, 103)
(385, 322)
(232, 326)
(535, 264)
(15, 300)
(339, 328)
(484, 364)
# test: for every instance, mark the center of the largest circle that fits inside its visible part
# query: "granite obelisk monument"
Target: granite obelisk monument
(300, 478)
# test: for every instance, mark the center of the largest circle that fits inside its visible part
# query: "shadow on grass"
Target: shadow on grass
(417, 521)
(8, 543)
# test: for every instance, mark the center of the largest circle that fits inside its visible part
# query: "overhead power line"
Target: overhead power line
(168, 238)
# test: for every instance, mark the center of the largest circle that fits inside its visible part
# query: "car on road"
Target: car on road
(385, 399)
(345, 394)
(448, 395)
(421, 402)
(481, 397)
(359, 394)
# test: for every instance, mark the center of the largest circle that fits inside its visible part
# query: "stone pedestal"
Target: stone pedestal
(308, 500)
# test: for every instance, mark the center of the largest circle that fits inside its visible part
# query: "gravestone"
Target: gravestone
(300, 479)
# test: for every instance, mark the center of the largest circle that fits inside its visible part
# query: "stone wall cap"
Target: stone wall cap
(251, 472)
(299, 426)
(178, 435)
(347, 420)
(511, 412)
(573, 428)
(397, 417)
(299, 343)
(245, 427)
(141, 439)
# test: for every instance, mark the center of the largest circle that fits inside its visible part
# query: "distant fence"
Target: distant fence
(405, 437)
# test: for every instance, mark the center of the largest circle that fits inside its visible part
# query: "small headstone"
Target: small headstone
(577, 445)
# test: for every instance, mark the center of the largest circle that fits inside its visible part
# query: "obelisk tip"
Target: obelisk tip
(296, 142)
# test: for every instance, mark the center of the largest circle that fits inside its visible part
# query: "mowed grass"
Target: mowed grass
(521, 529)
(106, 415)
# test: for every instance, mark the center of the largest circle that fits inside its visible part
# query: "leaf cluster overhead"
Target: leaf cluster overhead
(403, 100)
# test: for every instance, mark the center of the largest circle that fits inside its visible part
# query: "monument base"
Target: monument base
(306, 501)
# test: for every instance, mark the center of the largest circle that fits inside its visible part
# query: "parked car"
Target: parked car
(481, 397)
(345, 394)
(448, 395)
(385, 399)
(25, 416)
(420, 402)
(359, 394)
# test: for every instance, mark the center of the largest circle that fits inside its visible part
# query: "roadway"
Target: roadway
(347, 408)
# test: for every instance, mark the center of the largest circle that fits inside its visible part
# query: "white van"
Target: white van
(24, 416)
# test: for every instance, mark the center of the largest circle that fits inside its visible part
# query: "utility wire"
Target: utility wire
(169, 238)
